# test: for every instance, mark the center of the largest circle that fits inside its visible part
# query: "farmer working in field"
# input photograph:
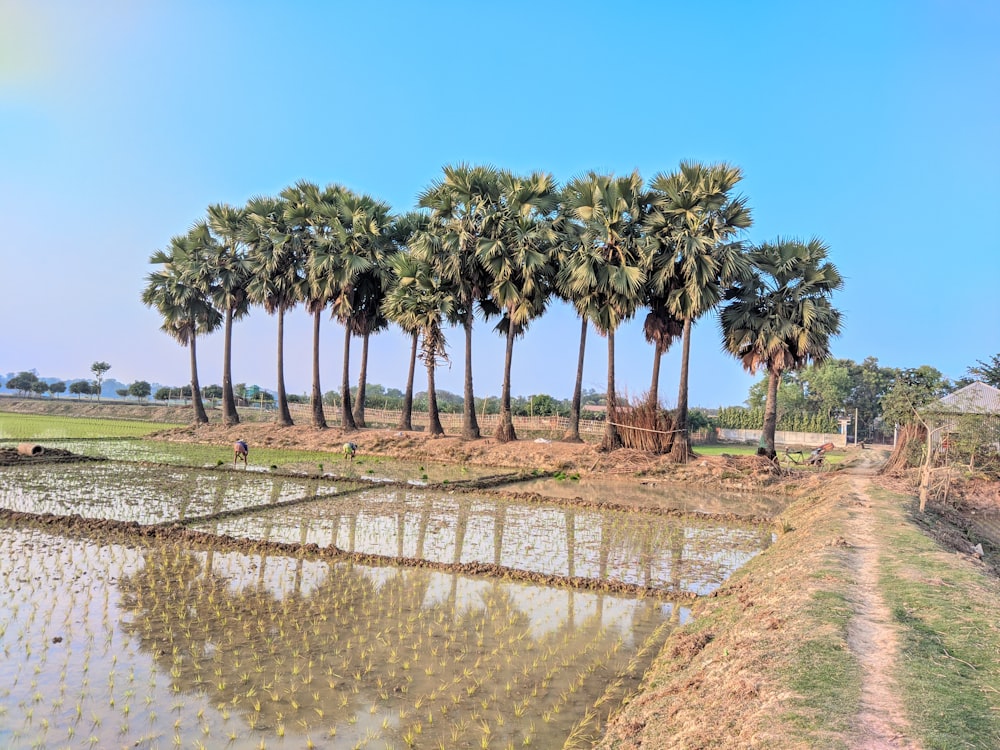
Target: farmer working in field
(240, 451)
(349, 450)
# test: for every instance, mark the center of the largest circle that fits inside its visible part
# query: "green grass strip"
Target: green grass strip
(49, 427)
(949, 639)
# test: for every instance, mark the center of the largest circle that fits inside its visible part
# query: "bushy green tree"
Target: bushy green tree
(140, 389)
(988, 372)
(913, 389)
(78, 388)
(23, 382)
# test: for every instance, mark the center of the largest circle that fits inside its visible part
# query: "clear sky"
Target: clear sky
(874, 125)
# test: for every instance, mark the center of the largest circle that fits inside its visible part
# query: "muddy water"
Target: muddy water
(106, 645)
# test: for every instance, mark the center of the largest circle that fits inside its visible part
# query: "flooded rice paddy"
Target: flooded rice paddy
(672, 554)
(344, 619)
(160, 646)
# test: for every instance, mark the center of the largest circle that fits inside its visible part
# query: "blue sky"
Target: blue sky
(872, 125)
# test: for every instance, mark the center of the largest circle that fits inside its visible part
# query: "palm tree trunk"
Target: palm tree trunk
(318, 418)
(612, 440)
(359, 403)
(346, 417)
(200, 417)
(505, 429)
(770, 415)
(681, 449)
(406, 415)
(573, 432)
(229, 413)
(284, 416)
(470, 425)
(433, 418)
(654, 386)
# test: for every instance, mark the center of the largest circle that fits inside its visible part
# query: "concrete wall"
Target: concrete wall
(783, 438)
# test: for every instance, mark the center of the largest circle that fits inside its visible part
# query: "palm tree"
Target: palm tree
(186, 309)
(461, 204)
(571, 233)
(517, 254)
(605, 276)
(693, 228)
(342, 258)
(312, 218)
(277, 274)
(401, 234)
(369, 224)
(779, 316)
(229, 287)
(661, 329)
(418, 301)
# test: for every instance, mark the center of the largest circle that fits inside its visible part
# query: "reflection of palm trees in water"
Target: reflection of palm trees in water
(272, 657)
(346, 641)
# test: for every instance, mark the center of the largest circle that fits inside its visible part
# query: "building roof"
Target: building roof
(975, 398)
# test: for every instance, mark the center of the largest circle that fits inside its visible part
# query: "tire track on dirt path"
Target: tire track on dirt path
(881, 723)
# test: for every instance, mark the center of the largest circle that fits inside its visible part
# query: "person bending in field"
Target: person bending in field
(349, 450)
(240, 452)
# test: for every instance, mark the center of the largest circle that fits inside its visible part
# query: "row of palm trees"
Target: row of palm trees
(491, 243)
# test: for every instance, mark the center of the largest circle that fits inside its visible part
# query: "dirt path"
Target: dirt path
(881, 722)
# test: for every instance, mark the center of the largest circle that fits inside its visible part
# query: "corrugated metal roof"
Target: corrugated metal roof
(975, 398)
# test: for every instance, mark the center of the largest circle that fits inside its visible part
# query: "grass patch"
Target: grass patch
(47, 427)
(834, 457)
(732, 450)
(823, 672)
(949, 640)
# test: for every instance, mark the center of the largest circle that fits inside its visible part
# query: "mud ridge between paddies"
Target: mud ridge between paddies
(125, 532)
(733, 473)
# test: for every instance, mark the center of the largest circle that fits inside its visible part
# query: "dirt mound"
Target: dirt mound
(10, 457)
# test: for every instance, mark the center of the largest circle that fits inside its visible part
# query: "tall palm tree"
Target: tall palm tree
(418, 300)
(661, 329)
(229, 288)
(342, 260)
(606, 275)
(693, 228)
(370, 225)
(461, 205)
(517, 254)
(187, 311)
(571, 234)
(779, 316)
(277, 274)
(312, 217)
(401, 233)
